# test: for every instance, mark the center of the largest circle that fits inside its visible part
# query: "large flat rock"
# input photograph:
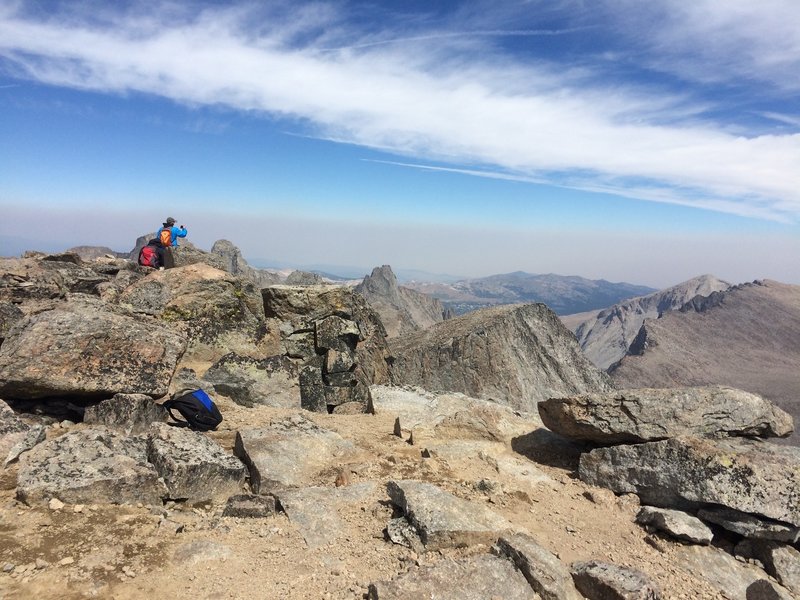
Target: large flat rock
(745, 475)
(516, 355)
(483, 577)
(250, 381)
(83, 350)
(94, 465)
(544, 571)
(642, 415)
(289, 452)
(443, 520)
(316, 510)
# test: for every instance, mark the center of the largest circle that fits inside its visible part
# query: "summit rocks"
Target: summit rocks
(81, 350)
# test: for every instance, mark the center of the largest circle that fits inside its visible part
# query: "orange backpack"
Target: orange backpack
(165, 237)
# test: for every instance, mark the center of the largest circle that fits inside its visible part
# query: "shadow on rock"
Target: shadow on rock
(547, 448)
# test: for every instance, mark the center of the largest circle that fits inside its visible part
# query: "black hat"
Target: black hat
(170, 221)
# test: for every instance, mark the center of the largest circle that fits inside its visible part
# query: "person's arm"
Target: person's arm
(181, 232)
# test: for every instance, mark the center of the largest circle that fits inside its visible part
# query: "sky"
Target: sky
(646, 142)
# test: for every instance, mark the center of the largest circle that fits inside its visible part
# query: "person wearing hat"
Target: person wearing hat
(168, 235)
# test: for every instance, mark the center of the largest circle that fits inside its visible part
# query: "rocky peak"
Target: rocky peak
(401, 309)
(382, 282)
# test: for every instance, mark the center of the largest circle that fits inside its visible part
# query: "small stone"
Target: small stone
(55, 504)
(426, 453)
(8, 567)
(411, 438)
(41, 564)
(68, 560)
(342, 478)
(78, 508)
(397, 430)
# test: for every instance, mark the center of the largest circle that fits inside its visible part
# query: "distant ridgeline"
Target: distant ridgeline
(563, 294)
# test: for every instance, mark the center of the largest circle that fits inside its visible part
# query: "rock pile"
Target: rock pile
(699, 454)
(339, 339)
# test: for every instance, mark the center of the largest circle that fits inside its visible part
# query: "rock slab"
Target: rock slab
(545, 573)
(289, 452)
(642, 415)
(482, 577)
(443, 520)
(194, 467)
(598, 580)
(89, 466)
(84, 351)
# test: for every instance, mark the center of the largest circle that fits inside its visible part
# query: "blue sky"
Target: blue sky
(646, 142)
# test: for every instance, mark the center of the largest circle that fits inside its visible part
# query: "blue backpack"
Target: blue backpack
(197, 409)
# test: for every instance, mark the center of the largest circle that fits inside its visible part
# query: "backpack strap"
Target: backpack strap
(170, 406)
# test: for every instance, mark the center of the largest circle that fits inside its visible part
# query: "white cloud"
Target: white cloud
(438, 99)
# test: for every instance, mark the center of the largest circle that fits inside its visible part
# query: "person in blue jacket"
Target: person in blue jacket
(168, 235)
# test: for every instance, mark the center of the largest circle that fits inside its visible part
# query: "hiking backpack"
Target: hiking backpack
(148, 257)
(197, 409)
(165, 237)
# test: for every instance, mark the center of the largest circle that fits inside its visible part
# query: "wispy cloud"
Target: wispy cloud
(444, 97)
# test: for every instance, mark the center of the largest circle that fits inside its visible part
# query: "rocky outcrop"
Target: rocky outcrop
(605, 336)
(250, 381)
(50, 277)
(744, 475)
(339, 339)
(516, 355)
(234, 263)
(747, 339)
(401, 309)
(82, 350)
(304, 278)
(221, 313)
(641, 415)
(88, 253)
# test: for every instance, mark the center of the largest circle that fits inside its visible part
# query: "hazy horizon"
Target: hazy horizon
(634, 142)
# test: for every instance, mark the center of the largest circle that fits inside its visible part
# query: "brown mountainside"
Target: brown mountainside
(747, 337)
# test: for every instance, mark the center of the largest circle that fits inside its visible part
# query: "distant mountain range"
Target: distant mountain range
(563, 294)
(605, 336)
(744, 337)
